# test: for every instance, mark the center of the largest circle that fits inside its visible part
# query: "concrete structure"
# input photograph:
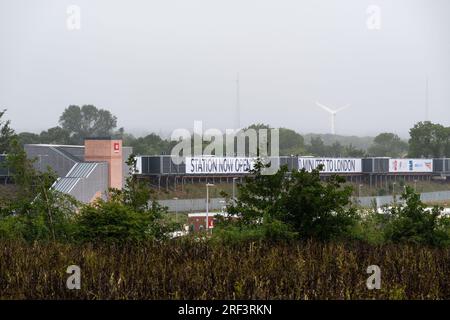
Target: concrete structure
(110, 151)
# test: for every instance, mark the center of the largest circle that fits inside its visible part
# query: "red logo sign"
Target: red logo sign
(116, 147)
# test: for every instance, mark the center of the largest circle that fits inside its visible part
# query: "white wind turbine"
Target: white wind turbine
(333, 114)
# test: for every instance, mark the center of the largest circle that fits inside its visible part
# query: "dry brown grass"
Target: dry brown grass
(187, 270)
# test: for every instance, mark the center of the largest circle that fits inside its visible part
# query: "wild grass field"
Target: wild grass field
(197, 270)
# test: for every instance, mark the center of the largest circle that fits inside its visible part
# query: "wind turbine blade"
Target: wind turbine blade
(342, 108)
(325, 107)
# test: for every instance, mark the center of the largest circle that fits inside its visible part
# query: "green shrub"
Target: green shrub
(413, 223)
(296, 201)
(269, 229)
(115, 222)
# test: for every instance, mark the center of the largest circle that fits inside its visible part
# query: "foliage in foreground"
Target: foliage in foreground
(37, 212)
(199, 270)
(290, 205)
(40, 213)
(129, 215)
(413, 223)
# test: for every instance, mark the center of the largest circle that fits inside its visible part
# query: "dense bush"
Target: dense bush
(37, 211)
(302, 202)
(114, 222)
(274, 230)
(413, 223)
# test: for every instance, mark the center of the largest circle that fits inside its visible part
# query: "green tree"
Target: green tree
(87, 121)
(28, 138)
(55, 135)
(6, 133)
(300, 200)
(291, 143)
(130, 214)
(151, 144)
(316, 147)
(37, 212)
(335, 150)
(111, 221)
(388, 145)
(429, 140)
(351, 151)
(413, 223)
(136, 193)
(317, 209)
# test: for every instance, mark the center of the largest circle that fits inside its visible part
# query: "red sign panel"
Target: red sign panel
(116, 147)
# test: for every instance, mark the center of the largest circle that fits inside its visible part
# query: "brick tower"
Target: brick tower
(106, 150)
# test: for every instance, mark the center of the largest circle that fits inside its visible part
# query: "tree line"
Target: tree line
(426, 140)
(76, 123)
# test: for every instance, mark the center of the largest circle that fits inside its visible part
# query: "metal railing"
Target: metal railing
(192, 205)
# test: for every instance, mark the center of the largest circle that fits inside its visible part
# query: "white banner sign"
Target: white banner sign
(410, 165)
(331, 165)
(218, 165)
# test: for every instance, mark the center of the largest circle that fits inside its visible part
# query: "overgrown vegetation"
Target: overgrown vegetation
(129, 215)
(38, 212)
(199, 270)
(6, 133)
(298, 205)
(293, 204)
(413, 223)
(429, 139)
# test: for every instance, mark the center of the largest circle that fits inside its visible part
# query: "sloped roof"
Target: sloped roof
(65, 185)
(82, 170)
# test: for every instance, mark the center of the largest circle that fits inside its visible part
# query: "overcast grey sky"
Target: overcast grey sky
(160, 65)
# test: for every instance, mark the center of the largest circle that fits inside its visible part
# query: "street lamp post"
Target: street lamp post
(207, 204)
(393, 188)
(415, 185)
(176, 208)
(359, 190)
(234, 188)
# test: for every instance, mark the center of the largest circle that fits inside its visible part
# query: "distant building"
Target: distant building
(197, 221)
(85, 172)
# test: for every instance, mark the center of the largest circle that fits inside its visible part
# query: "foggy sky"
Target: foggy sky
(160, 65)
